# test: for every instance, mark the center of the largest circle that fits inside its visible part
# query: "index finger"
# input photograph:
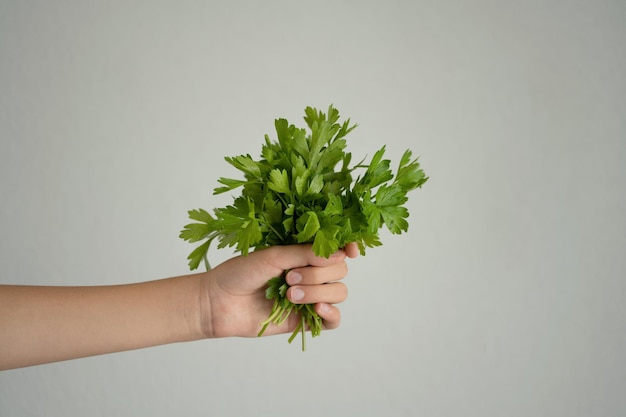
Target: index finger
(281, 258)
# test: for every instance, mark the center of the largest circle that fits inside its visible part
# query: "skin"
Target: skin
(43, 324)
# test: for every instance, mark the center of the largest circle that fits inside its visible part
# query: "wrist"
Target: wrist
(201, 317)
(194, 308)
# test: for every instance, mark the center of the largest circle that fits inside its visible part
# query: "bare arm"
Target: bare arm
(47, 324)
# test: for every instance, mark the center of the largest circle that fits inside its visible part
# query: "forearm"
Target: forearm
(47, 324)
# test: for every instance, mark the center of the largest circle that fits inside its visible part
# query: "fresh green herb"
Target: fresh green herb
(304, 190)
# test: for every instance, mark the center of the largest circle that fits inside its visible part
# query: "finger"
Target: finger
(329, 314)
(317, 275)
(281, 258)
(334, 292)
(351, 250)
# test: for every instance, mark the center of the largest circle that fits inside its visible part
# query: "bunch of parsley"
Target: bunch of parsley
(304, 190)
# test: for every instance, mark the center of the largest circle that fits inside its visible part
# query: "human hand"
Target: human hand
(233, 301)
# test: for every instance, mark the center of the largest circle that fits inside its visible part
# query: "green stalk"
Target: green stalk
(303, 333)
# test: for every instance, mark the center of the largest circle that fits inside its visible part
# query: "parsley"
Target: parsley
(303, 189)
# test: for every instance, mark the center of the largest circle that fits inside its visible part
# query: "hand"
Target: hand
(234, 303)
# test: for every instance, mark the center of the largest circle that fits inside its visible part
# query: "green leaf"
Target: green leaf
(334, 206)
(392, 195)
(249, 236)
(279, 181)
(198, 255)
(377, 173)
(333, 154)
(311, 226)
(282, 132)
(315, 186)
(194, 232)
(368, 240)
(325, 243)
(409, 175)
(389, 200)
(345, 129)
(272, 210)
(271, 291)
(200, 215)
(288, 225)
(395, 219)
(313, 116)
(300, 182)
(320, 136)
(246, 164)
(373, 215)
(229, 184)
(299, 143)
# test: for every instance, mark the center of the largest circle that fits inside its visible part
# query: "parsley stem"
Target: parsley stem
(282, 200)
(303, 332)
(265, 324)
(299, 327)
(207, 265)
(280, 236)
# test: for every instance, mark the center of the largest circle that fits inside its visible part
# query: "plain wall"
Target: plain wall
(506, 296)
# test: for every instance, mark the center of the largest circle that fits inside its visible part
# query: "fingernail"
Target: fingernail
(294, 278)
(323, 308)
(297, 294)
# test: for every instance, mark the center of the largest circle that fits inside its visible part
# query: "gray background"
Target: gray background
(506, 297)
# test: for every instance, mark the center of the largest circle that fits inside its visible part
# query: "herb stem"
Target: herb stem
(296, 331)
(303, 332)
(280, 236)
